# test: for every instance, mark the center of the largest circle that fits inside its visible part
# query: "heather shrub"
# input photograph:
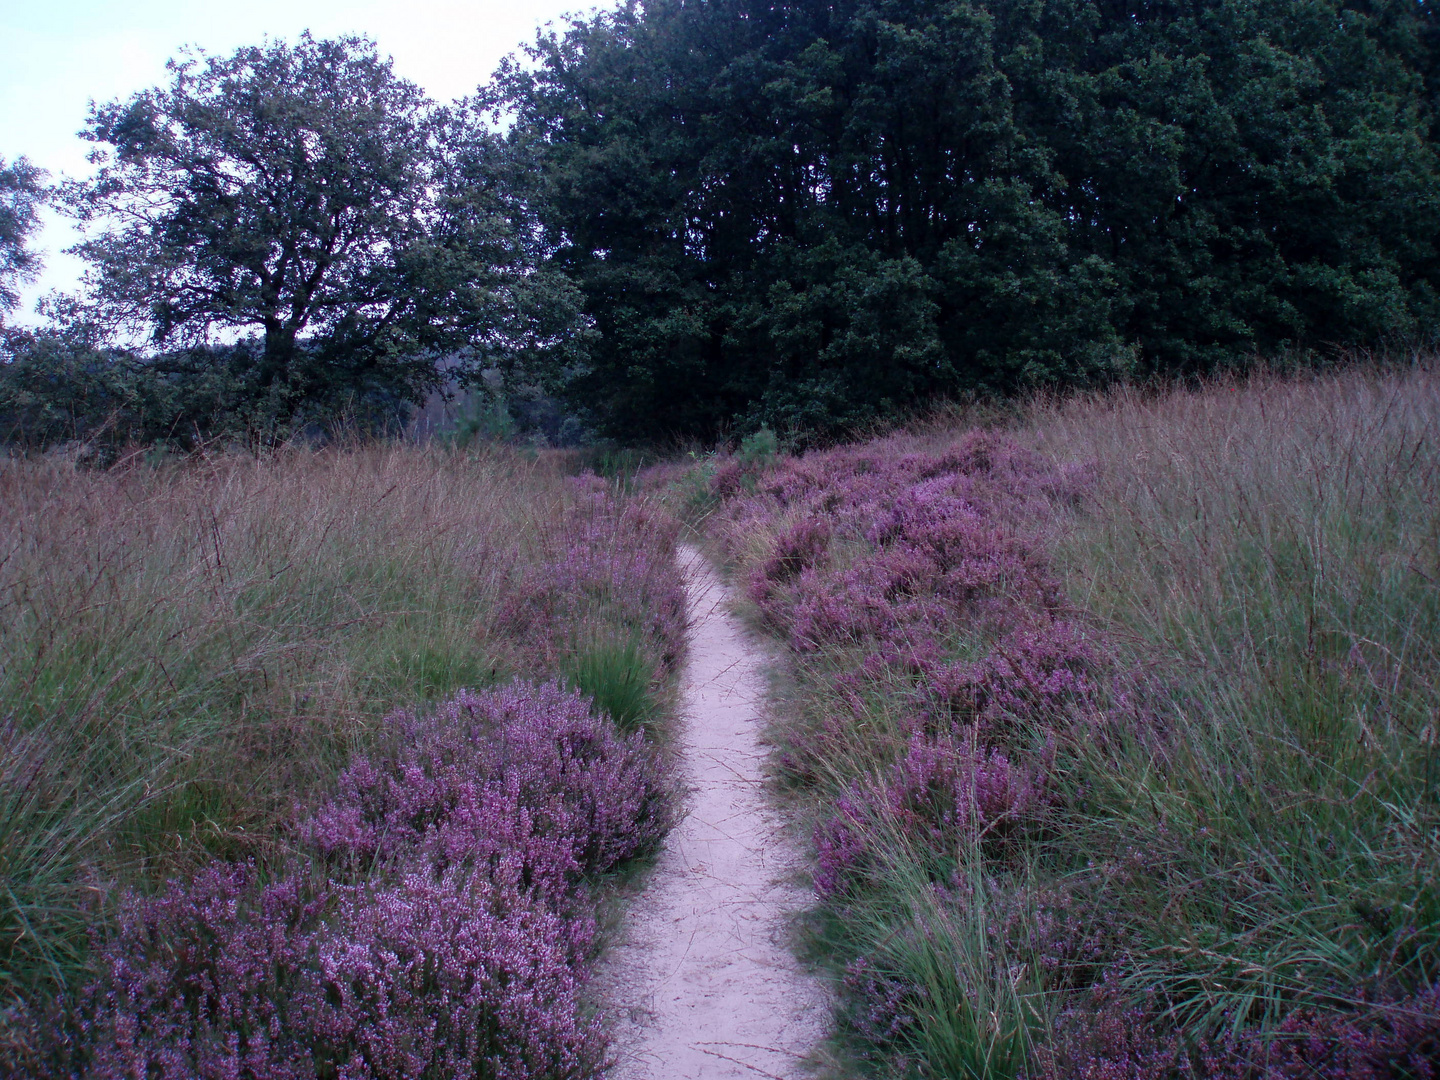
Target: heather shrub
(942, 788)
(213, 705)
(460, 945)
(945, 792)
(445, 976)
(1397, 1039)
(611, 569)
(523, 776)
(1113, 1035)
(1146, 685)
(947, 677)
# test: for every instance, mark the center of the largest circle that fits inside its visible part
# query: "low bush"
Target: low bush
(525, 778)
(458, 945)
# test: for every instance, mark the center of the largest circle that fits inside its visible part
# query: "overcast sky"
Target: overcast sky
(58, 55)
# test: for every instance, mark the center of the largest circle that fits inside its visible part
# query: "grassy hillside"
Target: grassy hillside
(1117, 729)
(219, 673)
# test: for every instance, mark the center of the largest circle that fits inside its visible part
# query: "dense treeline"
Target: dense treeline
(814, 214)
(694, 217)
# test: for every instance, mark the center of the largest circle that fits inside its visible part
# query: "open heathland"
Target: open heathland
(1116, 728)
(311, 763)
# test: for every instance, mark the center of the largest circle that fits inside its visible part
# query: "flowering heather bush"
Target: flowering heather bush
(464, 957)
(876, 1003)
(1220, 788)
(201, 643)
(1400, 1040)
(613, 562)
(879, 552)
(942, 787)
(943, 791)
(1113, 1039)
(522, 778)
(1110, 1037)
(430, 977)
(936, 543)
(841, 852)
(893, 557)
(921, 580)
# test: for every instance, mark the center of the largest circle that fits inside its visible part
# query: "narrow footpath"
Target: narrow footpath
(701, 980)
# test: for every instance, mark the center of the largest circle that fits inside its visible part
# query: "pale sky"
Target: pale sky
(58, 55)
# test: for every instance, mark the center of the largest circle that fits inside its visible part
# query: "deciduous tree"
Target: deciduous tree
(309, 204)
(21, 193)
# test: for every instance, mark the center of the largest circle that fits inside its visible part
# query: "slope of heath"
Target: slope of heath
(1116, 728)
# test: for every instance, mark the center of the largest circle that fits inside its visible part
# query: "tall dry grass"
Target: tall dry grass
(1271, 548)
(1233, 867)
(188, 651)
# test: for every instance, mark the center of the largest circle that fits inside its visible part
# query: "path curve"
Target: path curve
(701, 980)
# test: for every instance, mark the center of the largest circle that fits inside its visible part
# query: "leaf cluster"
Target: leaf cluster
(21, 193)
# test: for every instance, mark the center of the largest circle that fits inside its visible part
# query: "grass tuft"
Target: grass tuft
(619, 678)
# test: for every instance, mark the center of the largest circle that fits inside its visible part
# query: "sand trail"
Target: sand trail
(702, 982)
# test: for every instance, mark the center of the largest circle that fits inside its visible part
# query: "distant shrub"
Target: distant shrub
(483, 418)
(759, 446)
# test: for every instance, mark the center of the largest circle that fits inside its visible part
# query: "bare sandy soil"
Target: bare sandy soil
(701, 981)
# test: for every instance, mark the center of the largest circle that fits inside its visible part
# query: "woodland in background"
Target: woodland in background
(814, 215)
(693, 219)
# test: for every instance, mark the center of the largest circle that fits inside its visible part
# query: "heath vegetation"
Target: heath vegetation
(1116, 728)
(309, 765)
(1113, 719)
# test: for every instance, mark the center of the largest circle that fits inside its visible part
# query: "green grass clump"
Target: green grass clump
(1270, 548)
(618, 676)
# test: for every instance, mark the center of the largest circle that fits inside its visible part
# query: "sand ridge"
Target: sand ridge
(701, 983)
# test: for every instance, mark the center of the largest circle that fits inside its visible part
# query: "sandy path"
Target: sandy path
(702, 982)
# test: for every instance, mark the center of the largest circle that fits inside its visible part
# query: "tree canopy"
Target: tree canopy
(693, 216)
(21, 193)
(303, 209)
(813, 214)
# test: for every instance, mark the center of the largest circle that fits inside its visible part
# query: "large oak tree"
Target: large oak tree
(312, 213)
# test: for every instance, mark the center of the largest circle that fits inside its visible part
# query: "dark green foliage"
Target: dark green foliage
(306, 202)
(818, 215)
(64, 387)
(21, 193)
(61, 387)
